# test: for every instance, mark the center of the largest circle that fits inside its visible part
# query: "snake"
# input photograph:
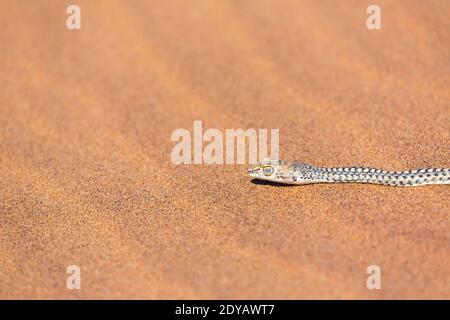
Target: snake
(299, 173)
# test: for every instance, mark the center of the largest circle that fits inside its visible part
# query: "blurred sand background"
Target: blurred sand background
(85, 170)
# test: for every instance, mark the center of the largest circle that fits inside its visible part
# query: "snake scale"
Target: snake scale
(301, 173)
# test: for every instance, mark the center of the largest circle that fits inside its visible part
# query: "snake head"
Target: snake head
(271, 170)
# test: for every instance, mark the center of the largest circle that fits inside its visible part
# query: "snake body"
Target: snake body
(302, 173)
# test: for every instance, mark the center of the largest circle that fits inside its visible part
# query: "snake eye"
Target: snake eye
(268, 170)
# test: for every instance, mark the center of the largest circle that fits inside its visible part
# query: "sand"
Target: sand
(86, 176)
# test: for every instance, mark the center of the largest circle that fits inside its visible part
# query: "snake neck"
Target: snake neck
(372, 175)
